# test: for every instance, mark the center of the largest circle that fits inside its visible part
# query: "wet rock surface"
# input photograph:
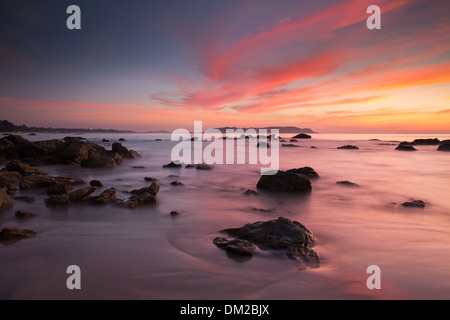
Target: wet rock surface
(285, 181)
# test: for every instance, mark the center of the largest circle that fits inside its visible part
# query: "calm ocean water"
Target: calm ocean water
(145, 253)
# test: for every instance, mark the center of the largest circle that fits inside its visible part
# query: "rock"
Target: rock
(204, 166)
(349, 147)
(79, 194)
(264, 210)
(293, 140)
(153, 190)
(139, 200)
(288, 145)
(177, 183)
(122, 139)
(292, 237)
(105, 140)
(8, 179)
(124, 152)
(74, 151)
(403, 147)
(302, 136)
(96, 183)
(427, 142)
(444, 146)
(138, 167)
(151, 179)
(190, 166)
(414, 204)
(16, 166)
(107, 196)
(173, 165)
(118, 160)
(58, 200)
(286, 182)
(313, 147)
(34, 181)
(307, 171)
(347, 183)
(27, 199)
(263, 145)
(99, 162)
(22, 214)
(12, 235)
(251, 192)
(58, 188)
(174, 213)
(5, 199)
(235, 247)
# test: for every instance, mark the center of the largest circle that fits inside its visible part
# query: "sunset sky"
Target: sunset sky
(151, 65)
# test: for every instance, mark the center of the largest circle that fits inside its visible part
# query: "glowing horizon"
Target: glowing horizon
(242, 63)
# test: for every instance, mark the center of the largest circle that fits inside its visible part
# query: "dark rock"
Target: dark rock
(444, 146)
(138, 167)
(96, 183)
(288, 145)
(98, 162)
(122, 139)
(177, 183)
(286, 182)
(139, 200)
(22, 214)
(264, 210)
(174, 213)
(414, 204)
(58, 200)
(16, 166)
(190, 166)
(153, 190)
(8, 180)
(349, 147)
(302, 136)
(293, 140)
(406, 143)
(251, 192)
(405, 148)
(118, 160)
(173, 165)
(204, 166)
(427, 142)
(74, 151)
(58, 188)
(34, 181)
(307, 171)
(313, 147)
(347, 183)
(237, 247)
(263, 145)
(281, 234)
(27, 199)
(5, 199)
(79, 194)
(107, 196)
(151, 179)
(12, 235)
(105, 140)
(124, 152)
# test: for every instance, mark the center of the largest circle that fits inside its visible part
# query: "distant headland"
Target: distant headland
(289, 129)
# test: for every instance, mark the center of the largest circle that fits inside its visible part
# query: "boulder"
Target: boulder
(427, 142)
(177, 183)
(292, 237)
(139, 200)
(307, 171)
(8, 179)
(12, 235)
(172, 165)
(58, 188)
(96, 183)
(124, 152)
(153, 189)
(74, 151)
(286, 182)
(16, 166)
(349, 147)
(444, 146)
(5, 199)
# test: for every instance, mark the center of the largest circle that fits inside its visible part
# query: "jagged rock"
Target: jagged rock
(34, 181)
(285, 181)
(107, 196)
(16, 166)
(5, 199)
(12, 235)
(153, 190)
(172, 165)
(139, 200)
(123, 151)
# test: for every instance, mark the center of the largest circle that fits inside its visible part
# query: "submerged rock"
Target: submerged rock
(251, 192)
(292, 237)
(27, 199)
(177, 183)
(204, 166)
(289, 145)
(22, 214)
(58, 200)
(286, 182)
(414, 204)
(36, 180)
(12, 235)
(99, 162)
(172, 165)
(302, 136)
(237, 247)
(347, 183)
(349, 147)
(5, 199)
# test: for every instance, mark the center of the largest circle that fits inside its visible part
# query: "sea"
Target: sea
(147, 253)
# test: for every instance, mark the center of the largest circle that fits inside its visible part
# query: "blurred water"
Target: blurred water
(145, 253)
